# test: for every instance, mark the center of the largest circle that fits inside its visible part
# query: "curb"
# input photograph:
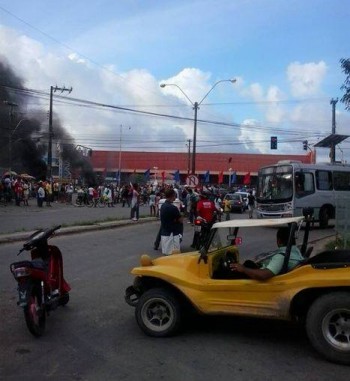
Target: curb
(23, 236)
(319, 244)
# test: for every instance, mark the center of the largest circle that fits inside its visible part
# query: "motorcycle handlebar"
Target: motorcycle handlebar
(38, 237)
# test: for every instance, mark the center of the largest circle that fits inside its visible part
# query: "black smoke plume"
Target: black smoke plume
(27, 128)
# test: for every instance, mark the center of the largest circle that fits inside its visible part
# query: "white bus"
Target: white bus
(287, 187)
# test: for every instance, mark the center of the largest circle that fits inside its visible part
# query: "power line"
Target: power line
(103, 106)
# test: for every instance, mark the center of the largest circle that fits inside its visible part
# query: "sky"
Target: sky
(283, 55)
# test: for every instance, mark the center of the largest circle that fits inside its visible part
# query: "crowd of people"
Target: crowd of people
(20, 191)
(170, 203)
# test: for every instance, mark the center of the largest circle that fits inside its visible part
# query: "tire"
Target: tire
(324, 218)
(101, 204)
(328, 326)
(64, 299)
(34, 314)
(158, 313)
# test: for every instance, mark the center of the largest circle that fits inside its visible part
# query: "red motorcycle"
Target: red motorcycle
(201, 232)
(41, 286)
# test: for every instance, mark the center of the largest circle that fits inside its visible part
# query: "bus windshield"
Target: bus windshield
(275, 184)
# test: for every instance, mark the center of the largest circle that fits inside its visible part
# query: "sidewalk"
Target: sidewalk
(18, 222)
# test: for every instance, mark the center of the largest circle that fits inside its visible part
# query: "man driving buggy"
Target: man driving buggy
(271, 265)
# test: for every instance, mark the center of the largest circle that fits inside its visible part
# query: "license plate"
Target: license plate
(197, 228)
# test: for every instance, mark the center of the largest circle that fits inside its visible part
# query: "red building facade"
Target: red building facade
(107, 163)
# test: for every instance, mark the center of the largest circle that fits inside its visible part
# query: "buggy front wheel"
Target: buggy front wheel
(158, 313)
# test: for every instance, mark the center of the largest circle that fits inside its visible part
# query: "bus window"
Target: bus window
(304, 184)
(341, 181)
(324, 180)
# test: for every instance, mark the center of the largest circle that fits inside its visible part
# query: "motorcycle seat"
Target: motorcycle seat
(34, 264)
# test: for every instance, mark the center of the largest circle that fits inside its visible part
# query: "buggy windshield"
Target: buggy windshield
(221, 238)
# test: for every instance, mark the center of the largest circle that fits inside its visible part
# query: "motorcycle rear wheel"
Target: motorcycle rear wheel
(64, 299)
(34, 312)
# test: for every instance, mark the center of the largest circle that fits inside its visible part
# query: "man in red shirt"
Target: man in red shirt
(206, 209)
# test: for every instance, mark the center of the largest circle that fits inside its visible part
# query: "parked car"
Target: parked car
(315, 293)
(236, 201)
(222, 191)
(244, 196)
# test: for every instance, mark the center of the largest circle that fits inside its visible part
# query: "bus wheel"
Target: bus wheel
(324, 218)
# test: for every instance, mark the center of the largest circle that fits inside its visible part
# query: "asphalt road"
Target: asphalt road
(95, 337)
(28, 218)
(20, 220)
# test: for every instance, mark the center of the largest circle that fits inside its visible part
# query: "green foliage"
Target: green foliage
(345, 64)
(338, 243)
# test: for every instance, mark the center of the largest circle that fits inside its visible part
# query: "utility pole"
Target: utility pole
(195, 108)
(333, 102)
(11, 132)
(49, 150)
(189, 156)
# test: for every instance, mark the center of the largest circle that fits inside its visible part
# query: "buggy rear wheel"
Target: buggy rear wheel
(328, 326)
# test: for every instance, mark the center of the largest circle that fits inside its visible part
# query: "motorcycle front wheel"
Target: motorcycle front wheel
(34, 312)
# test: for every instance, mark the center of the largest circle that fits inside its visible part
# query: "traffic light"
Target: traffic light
(305, 145)
(273, 142)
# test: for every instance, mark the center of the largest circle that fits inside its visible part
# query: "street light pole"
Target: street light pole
(195, 108)
(193, 169)
(120, 155)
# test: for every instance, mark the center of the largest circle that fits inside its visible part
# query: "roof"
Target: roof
(139, 162)
(259, 222)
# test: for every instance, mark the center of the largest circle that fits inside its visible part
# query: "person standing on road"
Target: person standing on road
(40, 194)
(171, 224)
(218, 206)
(107, 193)
(90, 194)
(95, 196)
(25, 193)
(69, 193)
(152, 204)
(48, 191)
(227, 209)
(124, 195)
(135, 202)
(251, 204)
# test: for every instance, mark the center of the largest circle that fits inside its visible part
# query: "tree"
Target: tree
(345, 64)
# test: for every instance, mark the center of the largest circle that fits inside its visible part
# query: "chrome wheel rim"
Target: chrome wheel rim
(157, 314)
(336, 329)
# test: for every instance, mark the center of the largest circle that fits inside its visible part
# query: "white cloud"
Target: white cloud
(251, 138)
(306, 79)
(193, 82)
(139, 89)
